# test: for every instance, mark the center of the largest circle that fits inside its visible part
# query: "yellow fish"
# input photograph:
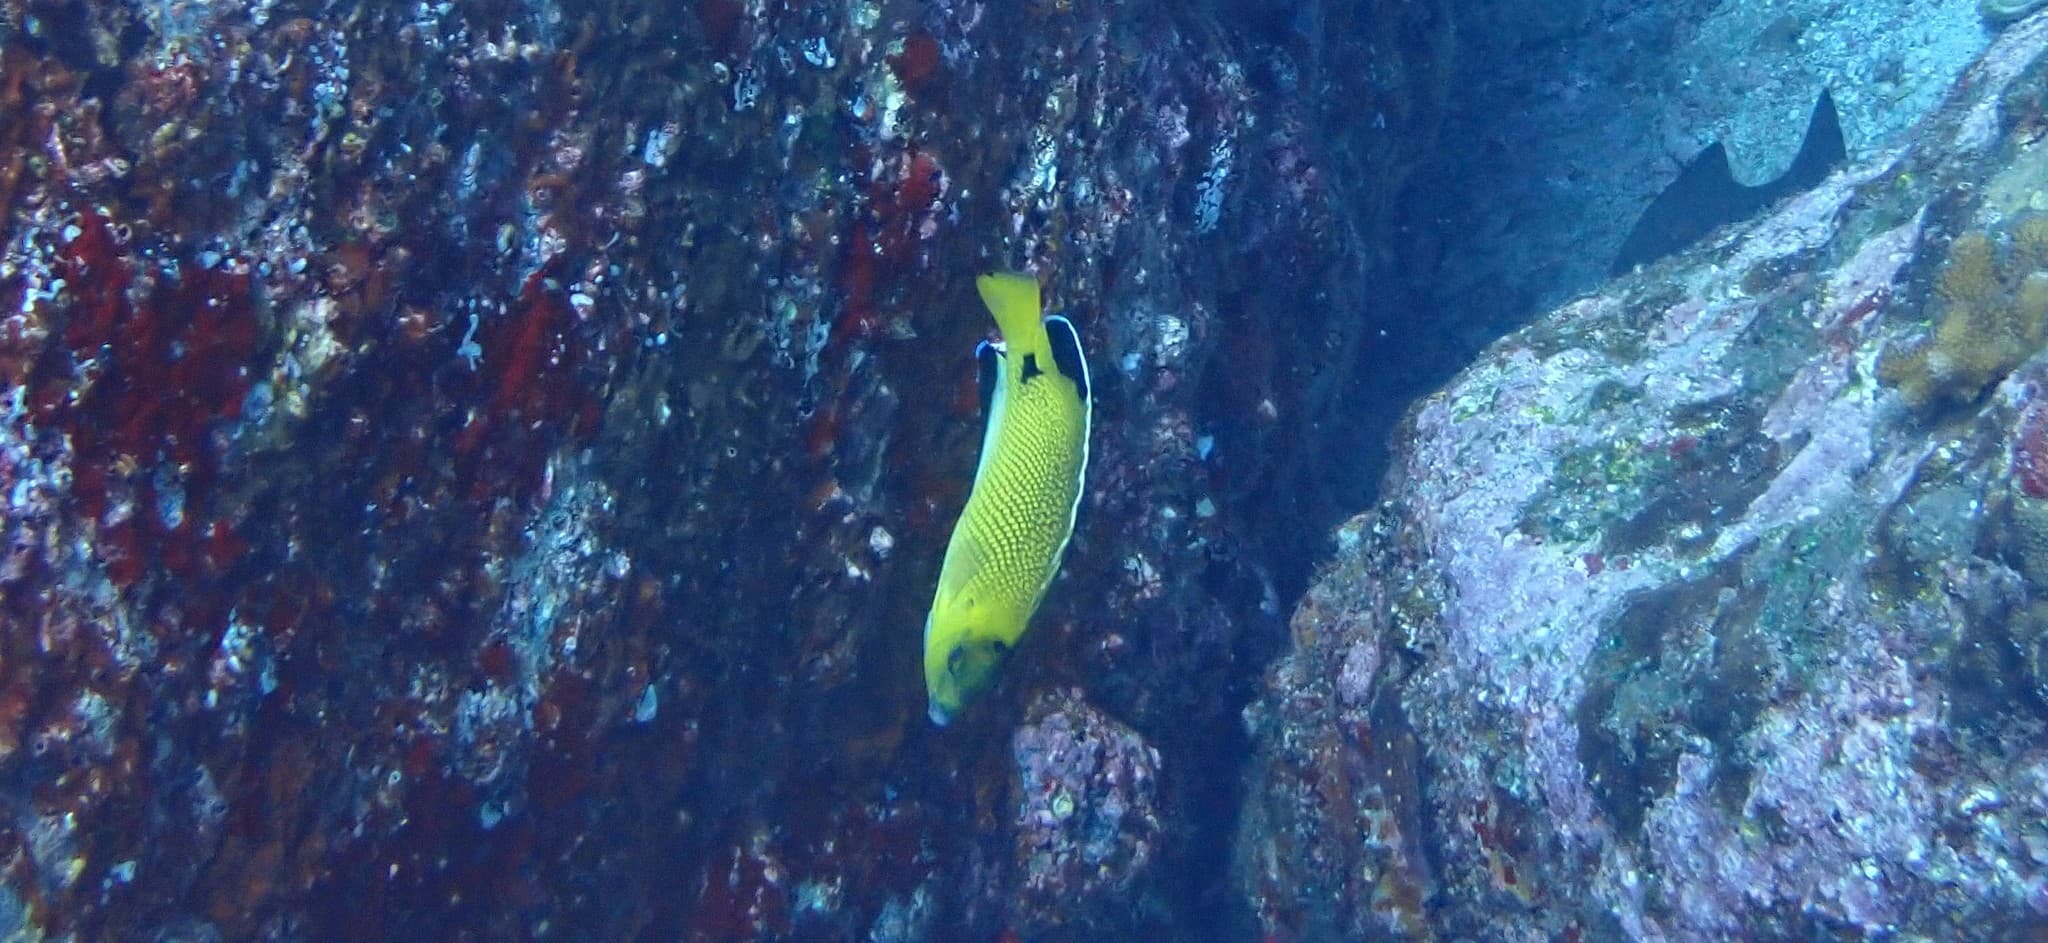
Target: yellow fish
(1027, 489)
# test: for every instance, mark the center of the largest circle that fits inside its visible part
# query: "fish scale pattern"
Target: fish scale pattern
(1034, 469)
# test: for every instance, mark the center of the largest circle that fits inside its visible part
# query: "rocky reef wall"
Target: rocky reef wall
(475, 469)
(1706, 607)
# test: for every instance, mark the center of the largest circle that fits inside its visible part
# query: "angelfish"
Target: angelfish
(1027, 489)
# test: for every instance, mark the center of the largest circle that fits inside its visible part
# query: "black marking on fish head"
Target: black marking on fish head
(1031, 371)
(972, 667)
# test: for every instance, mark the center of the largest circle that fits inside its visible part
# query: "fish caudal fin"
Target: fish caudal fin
(1013, 299)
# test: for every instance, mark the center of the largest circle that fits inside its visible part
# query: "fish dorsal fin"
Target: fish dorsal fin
(1706, 195)
(1065, 342)
(1822, 149)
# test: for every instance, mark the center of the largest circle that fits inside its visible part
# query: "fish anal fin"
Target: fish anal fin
(992, 372)
(987, 365)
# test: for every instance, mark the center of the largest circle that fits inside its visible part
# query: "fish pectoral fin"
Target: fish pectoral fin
(1065, 342)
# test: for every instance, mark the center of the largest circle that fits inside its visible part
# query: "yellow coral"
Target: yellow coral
(2031, 304)
(1904, 369)
(1971, 275)
(1994, 315)
(2030, 244)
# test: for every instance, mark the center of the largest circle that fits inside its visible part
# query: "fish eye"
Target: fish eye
(1001, 648)
(954, 658)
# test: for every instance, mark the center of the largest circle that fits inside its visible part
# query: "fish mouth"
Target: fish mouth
(938, 715)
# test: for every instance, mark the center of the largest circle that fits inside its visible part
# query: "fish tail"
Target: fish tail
(1013, 299)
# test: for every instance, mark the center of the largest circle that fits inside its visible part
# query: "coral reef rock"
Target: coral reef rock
(1685, 617)
(477, 469)
(1087, 812)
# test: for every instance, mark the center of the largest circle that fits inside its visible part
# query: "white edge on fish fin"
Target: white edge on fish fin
(1087, 432)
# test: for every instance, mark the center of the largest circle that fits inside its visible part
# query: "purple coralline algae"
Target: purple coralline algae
(1685, 619)
(1087, 820)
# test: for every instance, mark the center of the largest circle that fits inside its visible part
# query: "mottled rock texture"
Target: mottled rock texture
(1707, 607)
(476, 469)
